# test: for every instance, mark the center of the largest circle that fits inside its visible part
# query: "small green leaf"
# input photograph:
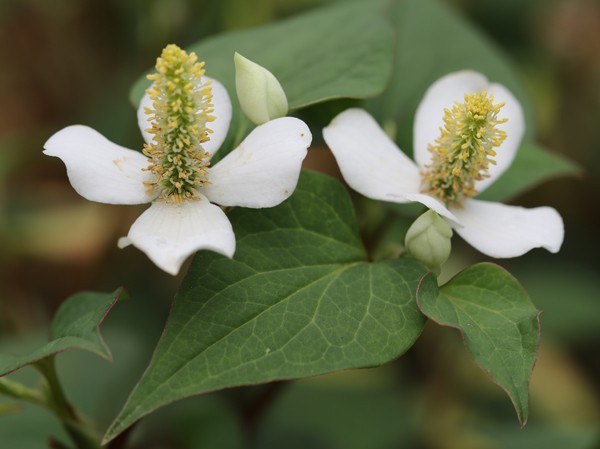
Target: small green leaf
(312, 63)
(498, 321)
(75, 325)
(298, 299)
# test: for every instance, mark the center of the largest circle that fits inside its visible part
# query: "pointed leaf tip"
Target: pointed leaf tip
(76, 325)
(499, 323)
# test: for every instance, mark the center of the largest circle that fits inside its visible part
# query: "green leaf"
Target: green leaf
(75, 325)
(298, 299)
(432, 41)
(499, 324)
(312, 63)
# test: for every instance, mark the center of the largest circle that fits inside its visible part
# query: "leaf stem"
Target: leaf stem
(56, 401)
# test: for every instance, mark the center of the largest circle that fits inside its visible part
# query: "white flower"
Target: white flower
(174, 174)
(466, 134)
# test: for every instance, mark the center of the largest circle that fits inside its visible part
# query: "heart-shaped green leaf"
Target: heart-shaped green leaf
(298, 299)
(339, 51)
(75, 325)
(499, 323)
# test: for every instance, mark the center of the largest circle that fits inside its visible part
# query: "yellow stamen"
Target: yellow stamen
(181, 109)
(463, 153)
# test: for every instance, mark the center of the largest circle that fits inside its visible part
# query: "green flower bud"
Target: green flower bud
(428, 240)
(261, 96)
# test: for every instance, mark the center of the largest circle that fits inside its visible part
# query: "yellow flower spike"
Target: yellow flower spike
(463, 152)
(181, 109)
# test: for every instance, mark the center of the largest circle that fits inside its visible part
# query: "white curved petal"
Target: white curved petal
(515, 128)
(169, 233)
(370, 162)
(502, 231)
(441, 95)
(142, 117)
(263, 171)
(222, 113)
(98, 169)
(435, 205)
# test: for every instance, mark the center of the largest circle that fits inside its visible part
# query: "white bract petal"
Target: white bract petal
(263, 171)
(98, 169)
(219, 127)
(370, 162)
(373, 165)
(441, 95)
(502, 231)
(169, 233)
(435, 205)
(143, 118)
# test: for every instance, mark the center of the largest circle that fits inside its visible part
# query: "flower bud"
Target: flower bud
(261, 96)
(428, 240)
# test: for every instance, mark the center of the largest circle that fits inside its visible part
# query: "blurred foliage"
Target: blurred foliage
(73, 61)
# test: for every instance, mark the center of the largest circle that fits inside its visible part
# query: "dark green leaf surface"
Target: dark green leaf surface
(75, 325)
(333, 52)
(499, 323)
(298, 299)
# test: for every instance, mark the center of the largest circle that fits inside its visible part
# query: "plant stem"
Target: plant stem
(253, 412)
(19, 391)
(56, 401)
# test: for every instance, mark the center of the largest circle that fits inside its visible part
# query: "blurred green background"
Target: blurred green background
(74, 61)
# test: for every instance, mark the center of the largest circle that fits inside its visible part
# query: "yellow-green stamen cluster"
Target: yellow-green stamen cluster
(464, 151)
(181, 109)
